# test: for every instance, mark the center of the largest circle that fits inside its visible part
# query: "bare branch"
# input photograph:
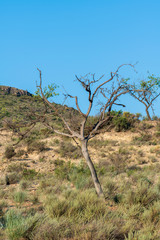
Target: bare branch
(112, 76)
(77, 105)
(54, 109)
(60, 133)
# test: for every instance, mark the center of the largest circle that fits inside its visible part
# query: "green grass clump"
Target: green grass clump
(144, 194)
(19, 226)
(19, 196)
(23, 184)
(29, 174)
(83, 206)
(78, 174)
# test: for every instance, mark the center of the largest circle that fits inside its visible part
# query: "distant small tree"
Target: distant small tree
(111, 89)
(149, 92)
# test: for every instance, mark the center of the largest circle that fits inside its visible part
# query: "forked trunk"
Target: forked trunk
(92, 169)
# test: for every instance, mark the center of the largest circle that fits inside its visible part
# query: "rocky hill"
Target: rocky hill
(6, 90)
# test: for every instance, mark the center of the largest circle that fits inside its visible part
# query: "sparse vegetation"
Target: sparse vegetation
(68, 150)
(36, 146)
(59, 201)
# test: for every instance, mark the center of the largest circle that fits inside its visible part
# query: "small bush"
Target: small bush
(23, 184)
(20, 153)
(13, 177)
(29, 174)
(15, 167)
(36, 146)
(9, 152)
(123, 121)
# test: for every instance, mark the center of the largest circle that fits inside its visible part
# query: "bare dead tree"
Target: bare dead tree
(111, 95)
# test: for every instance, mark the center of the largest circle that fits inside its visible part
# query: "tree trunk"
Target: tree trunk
(148, 115)
(92, 169)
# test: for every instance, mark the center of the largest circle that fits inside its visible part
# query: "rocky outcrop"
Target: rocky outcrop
(5, 90)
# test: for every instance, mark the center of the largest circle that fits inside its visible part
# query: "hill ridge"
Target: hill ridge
(7, 90)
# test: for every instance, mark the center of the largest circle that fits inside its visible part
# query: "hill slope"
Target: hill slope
(47, 193)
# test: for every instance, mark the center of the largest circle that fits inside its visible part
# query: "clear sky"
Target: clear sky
(68, 37)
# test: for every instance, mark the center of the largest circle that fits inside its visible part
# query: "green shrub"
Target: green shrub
(123, 121)
(29, 174)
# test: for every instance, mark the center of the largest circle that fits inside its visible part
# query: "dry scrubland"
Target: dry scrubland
(46, 191)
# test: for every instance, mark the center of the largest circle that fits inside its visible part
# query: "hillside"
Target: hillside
(46, 190)
(24, 106)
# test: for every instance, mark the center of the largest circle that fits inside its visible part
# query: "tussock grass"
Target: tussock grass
(19, 196)
(131, 209)
(19, 226)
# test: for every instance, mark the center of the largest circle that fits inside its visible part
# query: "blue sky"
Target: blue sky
(68, 37)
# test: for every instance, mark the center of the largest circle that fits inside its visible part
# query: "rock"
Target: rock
(5, 90)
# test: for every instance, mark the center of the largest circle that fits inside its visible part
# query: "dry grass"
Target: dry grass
(51, 194)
